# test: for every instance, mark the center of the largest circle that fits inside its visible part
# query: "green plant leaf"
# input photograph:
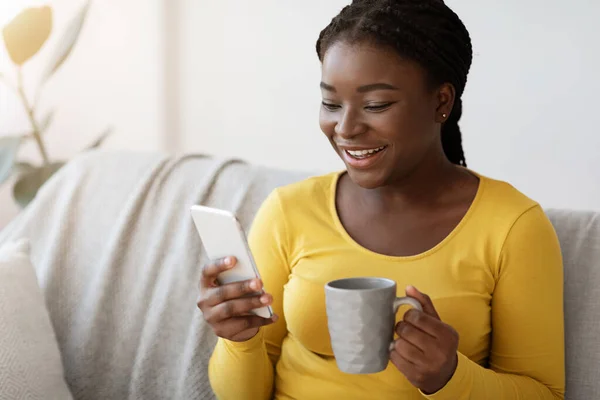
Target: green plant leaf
(67, 42)
(98, 142)
(9, 146)
(30, 182)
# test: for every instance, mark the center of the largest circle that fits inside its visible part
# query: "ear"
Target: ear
(445, 102)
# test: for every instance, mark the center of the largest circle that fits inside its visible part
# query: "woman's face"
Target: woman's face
(379, 113)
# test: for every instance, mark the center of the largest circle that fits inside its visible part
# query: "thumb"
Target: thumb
(426, 303)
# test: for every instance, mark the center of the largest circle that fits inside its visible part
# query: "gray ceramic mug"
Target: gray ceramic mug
(361, 314)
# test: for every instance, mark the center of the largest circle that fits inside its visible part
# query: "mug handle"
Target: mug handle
(408, 301)
(399, 301)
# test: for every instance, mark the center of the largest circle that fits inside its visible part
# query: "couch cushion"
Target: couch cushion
(30, 362)
(579, 235)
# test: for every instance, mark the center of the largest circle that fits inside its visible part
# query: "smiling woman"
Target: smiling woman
(372, 98)
(407, 209)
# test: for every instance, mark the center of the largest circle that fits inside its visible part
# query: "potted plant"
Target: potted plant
(23, 37)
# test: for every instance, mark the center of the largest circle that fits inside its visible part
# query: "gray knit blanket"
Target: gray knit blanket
(119, 261)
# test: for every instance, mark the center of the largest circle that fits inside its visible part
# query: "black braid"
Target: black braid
(426, 31)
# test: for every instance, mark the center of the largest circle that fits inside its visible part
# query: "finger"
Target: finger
(233, 326)
(232, 291)
(426, 303)
(420, 339)
(424, 322)
(409, 351)
(238, 307)
(405, 366)
(408, 369)
(211, 271)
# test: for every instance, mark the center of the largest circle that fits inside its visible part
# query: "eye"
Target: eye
(330, 106)
(378, 107)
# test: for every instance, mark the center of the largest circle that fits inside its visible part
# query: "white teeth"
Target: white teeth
(362, 153)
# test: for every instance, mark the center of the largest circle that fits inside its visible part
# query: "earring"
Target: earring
(444, 115)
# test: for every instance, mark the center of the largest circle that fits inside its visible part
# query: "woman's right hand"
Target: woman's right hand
(226, 308)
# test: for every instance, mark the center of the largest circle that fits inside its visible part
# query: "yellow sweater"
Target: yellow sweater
(497, 279)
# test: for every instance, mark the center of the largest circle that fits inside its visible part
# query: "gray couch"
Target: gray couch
(119, 260)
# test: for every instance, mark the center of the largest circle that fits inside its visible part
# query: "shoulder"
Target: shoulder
(300, 199)
(501, 205)
(293, 209)
(311, 190)
(295, 199)
(513, 219)
(503, 197)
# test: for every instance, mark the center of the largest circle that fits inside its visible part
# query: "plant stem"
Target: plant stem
(31, 115)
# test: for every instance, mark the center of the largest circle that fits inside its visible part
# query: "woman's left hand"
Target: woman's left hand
(426, 350)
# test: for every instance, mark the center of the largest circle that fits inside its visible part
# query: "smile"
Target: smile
(363, 159)
(361, 154)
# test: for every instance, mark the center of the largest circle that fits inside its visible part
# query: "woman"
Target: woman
(393, 73)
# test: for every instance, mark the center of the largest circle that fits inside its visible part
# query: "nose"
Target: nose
(349, 125)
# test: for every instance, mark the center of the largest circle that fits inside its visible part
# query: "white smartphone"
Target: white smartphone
(222, 235)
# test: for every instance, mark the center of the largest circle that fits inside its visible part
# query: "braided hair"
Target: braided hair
(425, 31)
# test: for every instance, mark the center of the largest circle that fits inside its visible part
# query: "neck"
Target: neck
(422, 186)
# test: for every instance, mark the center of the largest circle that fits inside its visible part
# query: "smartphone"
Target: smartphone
(222, 235)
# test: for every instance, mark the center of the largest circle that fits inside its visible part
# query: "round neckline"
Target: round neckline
(342, 229)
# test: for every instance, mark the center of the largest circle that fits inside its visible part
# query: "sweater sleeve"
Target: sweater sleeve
(527, 349)
(245, 370)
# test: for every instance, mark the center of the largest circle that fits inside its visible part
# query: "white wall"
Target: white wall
(532, 97)
(115, 76)
(249, 88)
(250, 80)
(239, 78)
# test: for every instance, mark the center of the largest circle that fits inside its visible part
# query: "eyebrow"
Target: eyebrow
(362, 89)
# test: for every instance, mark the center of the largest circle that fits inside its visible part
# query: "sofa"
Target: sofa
(118, 260)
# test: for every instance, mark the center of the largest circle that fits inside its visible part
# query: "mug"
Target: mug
(361, 315)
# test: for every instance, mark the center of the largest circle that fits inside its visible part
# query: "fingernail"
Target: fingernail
(254, 285)
(228, 261)
(391, 348)
(264, 299)
(411, 287)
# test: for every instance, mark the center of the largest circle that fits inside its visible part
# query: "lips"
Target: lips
(359, 154)
(363, 158)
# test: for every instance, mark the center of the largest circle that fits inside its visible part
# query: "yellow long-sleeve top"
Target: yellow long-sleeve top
(497, 279)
